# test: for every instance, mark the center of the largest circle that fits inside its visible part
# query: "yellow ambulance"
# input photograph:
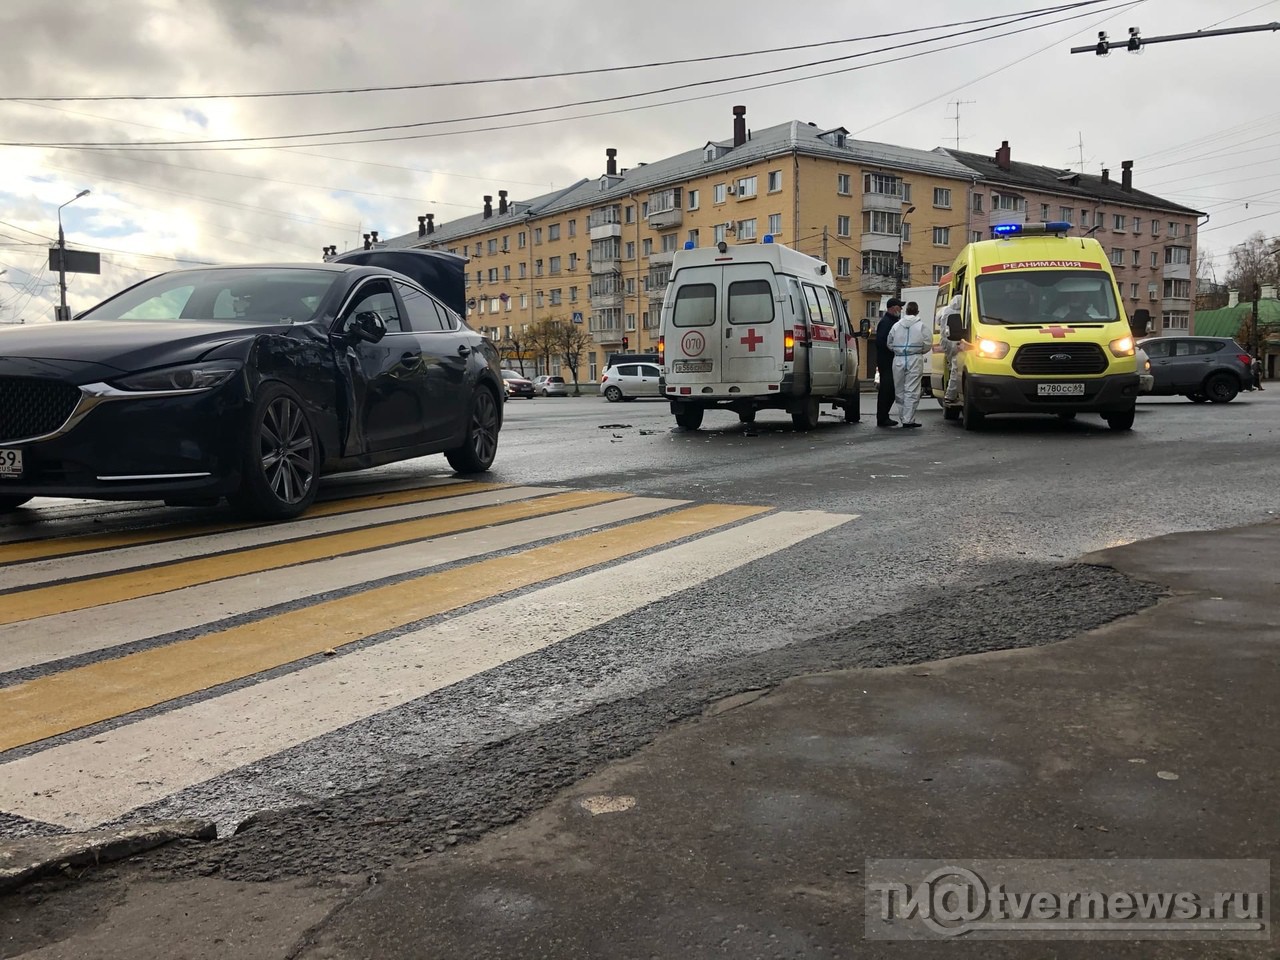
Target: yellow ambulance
(1039, 327)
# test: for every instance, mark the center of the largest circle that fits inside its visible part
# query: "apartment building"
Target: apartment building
(599, 251)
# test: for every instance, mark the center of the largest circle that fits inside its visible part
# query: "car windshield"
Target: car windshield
(511, 375)
(249, 295)
(1046, 296)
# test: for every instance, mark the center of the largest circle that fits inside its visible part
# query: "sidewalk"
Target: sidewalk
(745, 834)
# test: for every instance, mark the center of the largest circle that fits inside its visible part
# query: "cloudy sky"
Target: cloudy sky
(285, 180)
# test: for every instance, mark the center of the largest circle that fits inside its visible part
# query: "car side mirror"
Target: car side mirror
(367, 326)
(864, 328)
(955, 327)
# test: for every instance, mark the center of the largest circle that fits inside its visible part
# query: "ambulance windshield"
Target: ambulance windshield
(1044, 296)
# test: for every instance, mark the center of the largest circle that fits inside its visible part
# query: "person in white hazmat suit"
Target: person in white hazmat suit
(951, 350)
(910, 339)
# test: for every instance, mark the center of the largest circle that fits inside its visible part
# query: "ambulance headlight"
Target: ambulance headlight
(993, 349)
(1123, 347)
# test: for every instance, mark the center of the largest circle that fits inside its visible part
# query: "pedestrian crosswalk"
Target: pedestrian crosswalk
(135, 665)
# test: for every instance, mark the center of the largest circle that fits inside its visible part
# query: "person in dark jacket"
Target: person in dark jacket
(884, 362)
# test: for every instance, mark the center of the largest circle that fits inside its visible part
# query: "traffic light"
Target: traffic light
(626, 342)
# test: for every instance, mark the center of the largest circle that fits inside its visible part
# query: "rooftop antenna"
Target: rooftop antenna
(957, 104)
(1080, 133)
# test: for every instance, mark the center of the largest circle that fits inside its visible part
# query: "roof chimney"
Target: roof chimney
(431, 223)
(367, 244)
(374, 235)
(488, 207)
(1002, 155)
(1126, 175)
(611, 164)
(739, 126)
(502, 201)
(422, 226)
(1106, 175)
(1233, 298)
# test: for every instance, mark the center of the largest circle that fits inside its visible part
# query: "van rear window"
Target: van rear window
(695, 305)
(751, 301)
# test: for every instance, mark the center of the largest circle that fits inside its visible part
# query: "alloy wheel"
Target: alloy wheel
(287, 450)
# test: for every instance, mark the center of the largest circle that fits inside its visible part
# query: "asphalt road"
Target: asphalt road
(941, 515)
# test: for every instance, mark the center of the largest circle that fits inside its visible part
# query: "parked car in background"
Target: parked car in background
(546, 386)
(1146, 379)
(244, 382)
(517, 384)
(1198, 368)
(626, 381)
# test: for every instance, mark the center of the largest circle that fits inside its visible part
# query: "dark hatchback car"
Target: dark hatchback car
(244, 382)
(1198, 368)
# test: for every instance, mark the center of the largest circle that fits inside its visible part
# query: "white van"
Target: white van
(753, 327)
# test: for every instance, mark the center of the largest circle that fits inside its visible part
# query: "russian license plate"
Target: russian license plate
(10, 463)
(691, 366)
(1060, 389)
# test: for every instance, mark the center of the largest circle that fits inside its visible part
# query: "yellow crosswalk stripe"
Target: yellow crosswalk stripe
(48, 706)
(42, 601)
(25, 551)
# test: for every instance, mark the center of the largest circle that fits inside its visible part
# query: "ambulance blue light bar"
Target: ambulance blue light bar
(1000, 230)
(768, 238)
(689, 244)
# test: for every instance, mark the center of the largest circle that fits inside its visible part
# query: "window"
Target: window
(1117, 257)
(520, 240)
(537, 236)
(554, 265)
(882, 183)
(842, 226)
(1085, 219)
(524, 301)
(573, 228)
(718, 193)
(1177, 254)
(941, 236)
(539, 299)
(477, 248)
(631, 286)
(746, 231)
(1173, 228)
(493, 246)
(720, 233)
(1159, 348)
(553, 232)
(693, 237)
(1155, 227)
(695, 305)
(775, 181)
(1007, 201)
(630, 216)
(1177, 320)
(1133, 291)
(573, 259)
(750, 301)
(664, 201)
(1137, 224)
(819, 306)
(1155, 259)
(939, 271)
(746, 187)
(871, 309)
(1137, 258)
(906, 233)
(631, 249)
(942, 198)
(775, 223)
(506, 243)
(879, 263)
(977, 203)
(693, 199)
(537, 268)
(573, 294)
(646, 246)
(1153, 291)
(843, 265)
(493, 274)
(524, 271)
(420, 310)
(1177, 289)
(506, 272)
(669, 242)
(880, 221)
(631, 325)
(555, 297)
(644, 209)
(842, 184)
(1064, 214)
(1117, 221)
(1044, 212)
(975, 236)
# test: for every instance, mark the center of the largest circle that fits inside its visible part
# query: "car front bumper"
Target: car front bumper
(1001, 394)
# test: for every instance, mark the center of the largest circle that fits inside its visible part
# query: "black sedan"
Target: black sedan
(245, 382)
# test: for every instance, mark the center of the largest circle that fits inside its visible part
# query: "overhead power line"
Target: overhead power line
(443, 84)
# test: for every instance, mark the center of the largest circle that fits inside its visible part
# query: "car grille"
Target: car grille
(32, 408)
(1059, 359)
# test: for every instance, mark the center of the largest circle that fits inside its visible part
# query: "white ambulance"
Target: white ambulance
(753, 327)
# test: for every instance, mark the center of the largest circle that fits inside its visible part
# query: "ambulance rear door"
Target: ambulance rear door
(751, 345)
(693, 323)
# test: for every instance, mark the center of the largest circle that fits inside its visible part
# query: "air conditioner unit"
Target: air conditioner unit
(732, 189)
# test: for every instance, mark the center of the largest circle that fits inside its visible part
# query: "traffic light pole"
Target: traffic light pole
(1136, 42)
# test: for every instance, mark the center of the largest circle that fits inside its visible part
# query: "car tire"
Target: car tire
(950, 413)
(970, 416)
(280, 462)
(1221, 388)
(689, 418)
(853, 406)
(477, 453)
(746, 416)
(1121, 421)
(612, 394)
(805, 416)
(12, 503)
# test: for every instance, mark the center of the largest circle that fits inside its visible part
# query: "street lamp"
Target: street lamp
(901, 226)
(62, 261)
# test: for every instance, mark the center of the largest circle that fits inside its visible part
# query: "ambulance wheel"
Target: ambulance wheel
(1121, 421)
(747, 416)
(950, 413)
(805, 416)
(853, 406)
(690, 418)
(970, 415)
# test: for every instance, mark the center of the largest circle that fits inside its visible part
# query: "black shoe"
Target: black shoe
(908, 426)
(886, 423)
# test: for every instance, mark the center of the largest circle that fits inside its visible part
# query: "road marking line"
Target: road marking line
(111, 588)
(122, 559)
(22, 551)
(64, 635)
(47, 706)
(93, 781)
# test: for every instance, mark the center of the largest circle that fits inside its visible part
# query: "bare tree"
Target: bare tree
(1210, 294)
(1253, 263)
(540, 338)
(571, 340)
(515, 349)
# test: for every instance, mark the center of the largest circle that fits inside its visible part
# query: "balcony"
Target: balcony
(882, 201)
(881, 242)
(613, 265)
(604, 231)
(877, 283)
(660, 258)
(665, 219)
(655, 294)
(1177, 271)
(606, 301)
(605, 335)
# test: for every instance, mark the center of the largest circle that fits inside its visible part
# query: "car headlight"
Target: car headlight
(189, 376)
(993, 349)
(1123, 347)
(1146, 365)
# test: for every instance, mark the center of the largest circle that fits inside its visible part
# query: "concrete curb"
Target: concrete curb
(22, 861)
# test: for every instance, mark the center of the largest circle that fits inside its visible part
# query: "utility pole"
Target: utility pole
(824, 244)
(63, 312)
(957, 104)
(901, 225)
(1136, 42)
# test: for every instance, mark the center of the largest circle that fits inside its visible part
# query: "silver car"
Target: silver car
(626, 381)
(546, 386)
